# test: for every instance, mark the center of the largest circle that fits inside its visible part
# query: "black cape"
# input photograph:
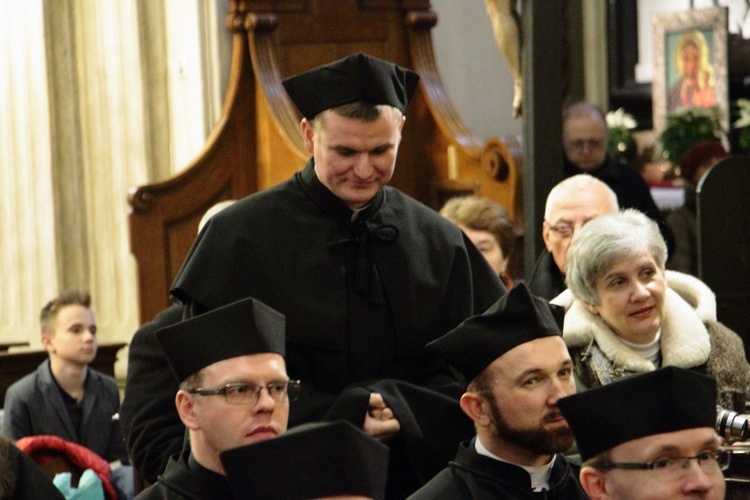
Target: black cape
(185, 478)
(150, 423)
(546, 280)
(21, 478)
(477, 477)
(362, 293)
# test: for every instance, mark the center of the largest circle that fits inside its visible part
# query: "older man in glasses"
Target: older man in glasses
(570, 204)
(649, 436)
(234, 390)
(585, 136)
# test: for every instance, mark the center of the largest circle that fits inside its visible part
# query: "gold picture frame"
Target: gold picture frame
(691, 44)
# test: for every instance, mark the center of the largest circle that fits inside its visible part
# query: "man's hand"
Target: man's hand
(379, 420)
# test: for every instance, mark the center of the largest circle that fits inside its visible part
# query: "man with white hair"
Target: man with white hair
(570, 204)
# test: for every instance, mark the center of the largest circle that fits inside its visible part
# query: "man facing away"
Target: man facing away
(234, 390)
(64, 397)
(649, 436)
(570, 204)
(518, 368)
(365, 275)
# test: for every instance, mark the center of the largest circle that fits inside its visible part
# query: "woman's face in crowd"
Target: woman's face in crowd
(631, 298)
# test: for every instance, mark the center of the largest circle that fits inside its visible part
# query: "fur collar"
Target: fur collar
(688, 305)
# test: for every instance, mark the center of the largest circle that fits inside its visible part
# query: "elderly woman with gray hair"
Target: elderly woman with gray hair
(626, 314)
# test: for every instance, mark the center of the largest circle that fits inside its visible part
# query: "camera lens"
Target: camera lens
(730, 425)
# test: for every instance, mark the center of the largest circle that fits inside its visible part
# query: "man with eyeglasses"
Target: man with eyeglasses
(570, 204)
(649, 436)
(234, 390)
(585, 136)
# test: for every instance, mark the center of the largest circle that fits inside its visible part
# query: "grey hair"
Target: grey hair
(606, 239)
(579, 182)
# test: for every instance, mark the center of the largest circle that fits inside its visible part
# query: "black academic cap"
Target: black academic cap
(309, 461)
(518, 317)
(358, 77)
(247, 326)
(665, 400)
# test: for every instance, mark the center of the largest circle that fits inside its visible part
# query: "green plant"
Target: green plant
(688, 127)
(743, 124)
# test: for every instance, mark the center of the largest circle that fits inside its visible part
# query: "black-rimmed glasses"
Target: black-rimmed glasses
(248, 394)
(708, 461)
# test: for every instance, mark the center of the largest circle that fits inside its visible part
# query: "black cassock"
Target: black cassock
(363, 292)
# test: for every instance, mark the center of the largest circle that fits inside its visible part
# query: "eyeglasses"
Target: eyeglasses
(581, 143)
(248, 394)
(564, 229)
(708, 461)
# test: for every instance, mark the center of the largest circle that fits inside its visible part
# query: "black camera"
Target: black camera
(731, 425)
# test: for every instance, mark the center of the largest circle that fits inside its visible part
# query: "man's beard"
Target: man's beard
(538, 440)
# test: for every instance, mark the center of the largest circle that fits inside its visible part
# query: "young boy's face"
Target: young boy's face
(72, 335)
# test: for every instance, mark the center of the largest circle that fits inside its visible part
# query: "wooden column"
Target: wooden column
(542, 109)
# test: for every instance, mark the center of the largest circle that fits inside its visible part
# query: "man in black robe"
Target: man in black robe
(518, 368)
(365, 275)
(234, 391)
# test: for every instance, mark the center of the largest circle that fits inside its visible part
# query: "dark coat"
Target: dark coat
(21, 478)
(477, 477)
(546, 280)
(153, 429)
(361, 299)
(184, 478)
(34, 406)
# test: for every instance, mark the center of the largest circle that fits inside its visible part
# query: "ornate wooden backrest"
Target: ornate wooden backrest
(258, 144)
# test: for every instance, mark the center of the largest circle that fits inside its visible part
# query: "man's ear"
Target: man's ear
(308, 135)
(593, 482)
(476, 408)
(47, 343)
(185, 403)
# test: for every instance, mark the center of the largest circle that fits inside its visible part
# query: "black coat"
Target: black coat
(21, 478)
(476, 477)
(184, 478)
(546, 280)
(148, 416)
(361, 299)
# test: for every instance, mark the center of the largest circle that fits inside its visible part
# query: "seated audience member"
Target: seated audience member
(21, 478)
(518, 368)
(152, 428)
(585, 135)
(570, 204)
(683, 221)
(626, 314)
(65, 397)
(319, 460)
(234, 390)
(649, 436)
(488, 226)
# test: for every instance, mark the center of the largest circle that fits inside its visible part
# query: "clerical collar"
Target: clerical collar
(650, 352)
(329, 202)
(539, 475)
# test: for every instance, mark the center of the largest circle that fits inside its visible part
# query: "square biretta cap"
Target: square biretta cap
(665, 400)
(310, 461)
(518, 317)
(247, 326)
(359, 77)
